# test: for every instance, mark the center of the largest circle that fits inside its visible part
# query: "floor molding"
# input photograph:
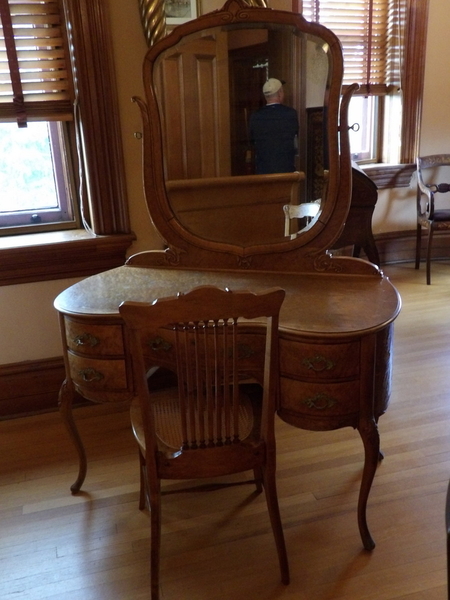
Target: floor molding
(30, 387)
(400, 246)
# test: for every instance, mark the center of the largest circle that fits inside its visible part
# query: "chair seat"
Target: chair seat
(442, 215)
(167, 413)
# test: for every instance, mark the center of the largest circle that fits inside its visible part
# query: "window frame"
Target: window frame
(104, 198)
(413, 76)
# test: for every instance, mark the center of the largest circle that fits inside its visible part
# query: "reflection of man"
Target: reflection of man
(273, 131)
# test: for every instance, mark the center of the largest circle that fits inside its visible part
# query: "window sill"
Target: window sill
(389, 176)
(59, 255)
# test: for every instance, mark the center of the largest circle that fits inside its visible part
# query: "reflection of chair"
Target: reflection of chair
(428, 216)
(214, 422)
(307, 211)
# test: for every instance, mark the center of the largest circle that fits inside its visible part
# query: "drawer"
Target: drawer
(84, 338)
(320, 400)
(98, 374)
(318, 362)
(159, 349)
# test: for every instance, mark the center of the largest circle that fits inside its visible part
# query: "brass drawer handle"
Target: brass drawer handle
(158, 343)
(86, 339)
(318, 363)
(90, 375)
(320, 402)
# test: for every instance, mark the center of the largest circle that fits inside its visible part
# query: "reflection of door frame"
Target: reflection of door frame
(194, 104)
(246, 83)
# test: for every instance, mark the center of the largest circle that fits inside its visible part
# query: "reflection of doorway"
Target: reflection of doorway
(248, 72)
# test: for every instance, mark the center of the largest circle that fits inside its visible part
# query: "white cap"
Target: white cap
(272, 86)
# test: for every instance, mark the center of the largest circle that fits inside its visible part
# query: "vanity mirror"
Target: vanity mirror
(202, 84)
(209, 160)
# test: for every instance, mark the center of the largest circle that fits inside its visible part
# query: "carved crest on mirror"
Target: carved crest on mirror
(153, 18)
(203, 82)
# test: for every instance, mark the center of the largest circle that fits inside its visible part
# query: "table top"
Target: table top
(315, 304)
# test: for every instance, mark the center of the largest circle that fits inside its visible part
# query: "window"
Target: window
(91, 133)
(384, 45)
(34, 177)
(36, 91)
(363, 122)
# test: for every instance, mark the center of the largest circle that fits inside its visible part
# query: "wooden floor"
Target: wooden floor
(217, 545)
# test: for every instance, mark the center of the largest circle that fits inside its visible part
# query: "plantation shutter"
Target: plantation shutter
(371, 36)
(35, 74)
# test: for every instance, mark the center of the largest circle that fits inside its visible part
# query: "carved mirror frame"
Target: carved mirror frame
(307, 252)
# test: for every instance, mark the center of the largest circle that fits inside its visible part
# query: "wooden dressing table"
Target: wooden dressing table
(336, 323)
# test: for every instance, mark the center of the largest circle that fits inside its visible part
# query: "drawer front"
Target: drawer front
(319, 362)
(159, 349)
(84, 338)
(319, 400)
(98, 374)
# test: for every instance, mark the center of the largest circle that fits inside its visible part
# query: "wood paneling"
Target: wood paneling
(30, 386)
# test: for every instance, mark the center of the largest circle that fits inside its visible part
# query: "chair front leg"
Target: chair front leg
(430, 241)
(418, 244)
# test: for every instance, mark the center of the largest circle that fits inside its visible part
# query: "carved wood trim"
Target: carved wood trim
(413, 78)
(153, 18)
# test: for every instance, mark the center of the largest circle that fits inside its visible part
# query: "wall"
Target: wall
(29, 327)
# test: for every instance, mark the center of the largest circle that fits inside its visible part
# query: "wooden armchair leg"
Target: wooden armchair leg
(143, 492)
(155, 515)
(430, 241)
(418, 245)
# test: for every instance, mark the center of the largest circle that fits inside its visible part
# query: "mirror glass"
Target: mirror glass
(208, 86)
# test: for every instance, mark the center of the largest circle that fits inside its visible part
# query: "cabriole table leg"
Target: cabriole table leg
(65, 409)
(371, 439)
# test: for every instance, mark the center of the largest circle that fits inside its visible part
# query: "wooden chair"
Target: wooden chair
(428, 216)
(212, 423)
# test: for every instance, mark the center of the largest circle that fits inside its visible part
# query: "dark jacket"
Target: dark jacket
(273, 129)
